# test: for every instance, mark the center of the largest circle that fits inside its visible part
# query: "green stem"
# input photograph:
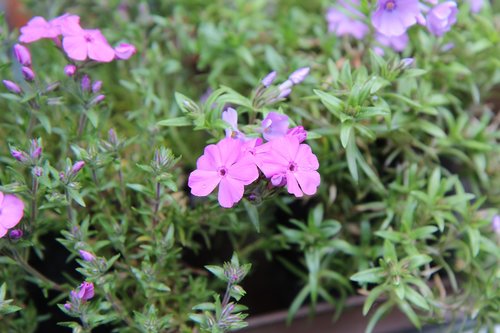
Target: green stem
(34, 190)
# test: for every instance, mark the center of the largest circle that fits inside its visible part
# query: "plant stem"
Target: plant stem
(28, 268)
(70, 211)
(157, 204)
(118, 306)
(34, 190)
(81, 123)
(225, 300)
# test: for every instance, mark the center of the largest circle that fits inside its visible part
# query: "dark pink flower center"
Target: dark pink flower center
(88, 38)
(222, 171)
(292, 166)
(390, 5)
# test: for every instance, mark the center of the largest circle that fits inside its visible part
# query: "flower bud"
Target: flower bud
(35, 149)
(495, 224)
(28, 73)
(85, 83)
(269, 79)
(15, 234)
(37, 171)
(96, 100)
(86, 291)
(406, 62)
(22, 54)
(96, 86)
(124, 51)
(70, 70)
(299, 75)
(77, 167)
(67, 306)
(12, 87)
(19, 155)
(52, 86)
(112, 138)
(299, 132)
(87, 256)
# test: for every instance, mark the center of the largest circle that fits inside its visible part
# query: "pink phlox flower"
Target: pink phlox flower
(345, 19)
(296, 162)
(80, 44)
(124, 51)
(11, 212)
(299, 132)
(230, 116)
(227, 165)
(86, 291)
(38, 28)
(442, 17)
(397, 43)
(275, 125)
(393, 17)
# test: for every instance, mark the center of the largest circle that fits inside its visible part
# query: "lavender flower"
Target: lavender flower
(275, 125)
(495, 224)
(299, 75)
(22, 54)
(19, 155)
(77, 167)
(12, 87)
(393, 17)
(87, 256)
(28, 73)
(96, 100)
(441, 17)
(86, 291)
(269, 79)
(96, 86)
(475, 5)
(85, 83)
(345, 19)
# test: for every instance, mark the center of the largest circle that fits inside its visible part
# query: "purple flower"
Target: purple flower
(227, 165)
(495, 224)
(397, 43)
(86, 291)
(28, 73)
(475, 5)
(15, 234)
(393, 17)
(286, 158)
(441, 17)
(37, 28)
(77, 167)
(12, 87)
(87, 256)
(299, 75)
(269, 79)
(22, 54)
(230, 116)
(19, 155)
(275, 125)
(345, 19)
(299, 132)
(35, 149)
(96, 86)
(11, 212)
(96, 100)
(124, 51)
(85, 83)
(70, 70)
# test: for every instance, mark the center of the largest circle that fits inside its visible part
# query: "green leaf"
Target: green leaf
(351, 154)
(408, 311)
(217, 271)
(175, 122)
(345, 133)
(379, 313)
(415, 298)
(375, 293)
(371, 275)
(297, 302)
(253, 214)
(474, 240)
(432, 129)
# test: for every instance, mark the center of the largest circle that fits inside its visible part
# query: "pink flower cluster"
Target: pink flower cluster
(79, 44)
(11, 212)
(80, 296)
(235, 161)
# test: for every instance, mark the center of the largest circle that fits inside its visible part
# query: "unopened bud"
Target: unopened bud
(96, 86)
(124, 51)
(19, 155)
(299, 132)
(22, 54)
(85, 83)
(406, 62)
(12, 87)
(15, 234)
(70, 70)
(495, 224)
(35, 149)
(96, 100)
(112, 138)
(37, 171)
(77, 167)
(28, 73)
(87, 256)
(299, 75)
(52, 86)
(269, 79)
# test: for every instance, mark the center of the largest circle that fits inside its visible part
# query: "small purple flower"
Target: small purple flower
(12, 87)
(299, 132)
(96, 86)
(269, 79)
(475, 5)
(37, 171)
(230, 116)
(67, 306)
(28, 73)
(299, 75)
(393, 17)
(85, 83)
(495, 224)
(19, 155)
(11, 212)
(86, 291)
(70, 70)
(397, 43)
(87, 256)
(345, 19)
(275, 125)
(441, 17)
(35, 149)
(22, 54)
(77, 167)
(15, 234)
(406, 62)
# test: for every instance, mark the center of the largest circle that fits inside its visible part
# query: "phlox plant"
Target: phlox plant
(184, 166)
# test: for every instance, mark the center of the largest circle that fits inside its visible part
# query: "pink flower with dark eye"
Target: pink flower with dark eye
(11, 212)
(124, 51)
(80, 44)
(275, 125)
(286, 158)
(227, 165)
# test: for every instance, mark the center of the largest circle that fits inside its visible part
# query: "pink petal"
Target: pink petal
(11, 211)
(305, 158)
(75, 47)
(230, 192)
(1, 198)
(292, 186)
(98, 48)
(205, 162)
(213, 155)
(230, 151)
(244, 170)
(286, 147)
(268, 161)
(203, 182)
(67, 24)
(308, 181)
